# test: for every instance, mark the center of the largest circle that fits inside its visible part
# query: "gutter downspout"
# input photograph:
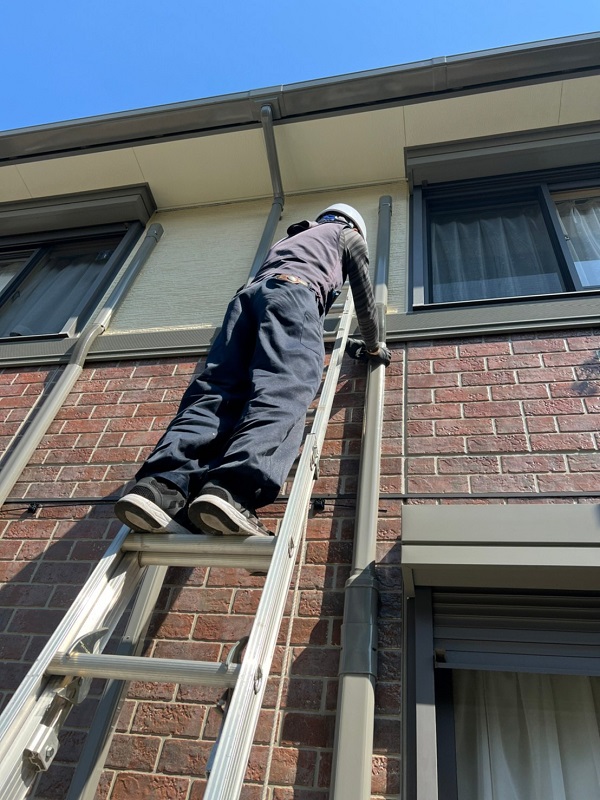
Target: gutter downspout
(19, 458)
(353, 744)
(266, 118)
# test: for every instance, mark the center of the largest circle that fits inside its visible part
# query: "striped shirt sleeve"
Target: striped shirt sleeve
(355, 262)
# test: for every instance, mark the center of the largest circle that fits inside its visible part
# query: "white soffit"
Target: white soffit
(342, 150)
(209, 169)
(81, 173)
(580, 100)
(12, 185)
(497, 112)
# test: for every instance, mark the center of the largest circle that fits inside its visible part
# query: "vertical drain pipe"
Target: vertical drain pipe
(266, 118)
(353, 744)
(19, 458)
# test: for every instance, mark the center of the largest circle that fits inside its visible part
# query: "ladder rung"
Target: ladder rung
(138, 668)
(181, 550)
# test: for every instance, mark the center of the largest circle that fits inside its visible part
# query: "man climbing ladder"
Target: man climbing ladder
(239, 426)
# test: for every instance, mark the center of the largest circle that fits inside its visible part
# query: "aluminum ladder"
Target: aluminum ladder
(61, 675)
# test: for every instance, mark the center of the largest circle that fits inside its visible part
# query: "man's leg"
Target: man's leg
(199, 432)
(285, 372)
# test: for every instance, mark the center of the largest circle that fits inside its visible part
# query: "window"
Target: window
(506, 238)
(50, 283)
(502, 651)
(514, 678)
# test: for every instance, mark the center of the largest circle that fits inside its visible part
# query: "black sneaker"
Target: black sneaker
(150, 506)
(215, 511)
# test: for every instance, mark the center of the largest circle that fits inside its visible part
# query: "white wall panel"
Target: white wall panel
(484, 114)
(209, 169)
(81, 173)
(580, 100)
(12, 185)
(342, 151)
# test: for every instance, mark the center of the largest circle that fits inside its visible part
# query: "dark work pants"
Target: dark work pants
(241, 422)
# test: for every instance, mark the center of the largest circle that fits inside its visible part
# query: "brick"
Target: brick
(308, 730)
(184, 757)
(316, 661)
(30, 529)
(420, 427)
(581, 422)
(577, 389)
(40, 621)
(435, 411)
(221, 628)
(483, 349)
(172, 719)
(533, 464)
(553, 407)
(539, 345)
(461, 395)
(419, 395)
(172, 626)
(545, 375)
(513, 362)
(142, 787)
(488, 378)
(469, 465)
(385, 775)
(420, 466)
(203, 601)
(438, 445)
(433, 381)
(584, 342)
(503, 483)
(580, 482)
(508, 408)
(590, 462)
(541, 424)
(463, 427)
(316, 604)
(440, 484)
(417, 351)
(562, 441)
(519, 391)
(497, 444)
(459, 365)
(576, 359)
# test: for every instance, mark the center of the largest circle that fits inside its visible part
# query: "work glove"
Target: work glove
(356, 349)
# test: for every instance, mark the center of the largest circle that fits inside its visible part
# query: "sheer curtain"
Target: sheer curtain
(523, 736)
(581, 222)
(493, 252)
(55, 291)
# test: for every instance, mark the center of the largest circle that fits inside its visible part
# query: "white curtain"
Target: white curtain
(487, 253)
(527, 736)
(581, 222)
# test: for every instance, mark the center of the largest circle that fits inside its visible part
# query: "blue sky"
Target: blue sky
(68, 59)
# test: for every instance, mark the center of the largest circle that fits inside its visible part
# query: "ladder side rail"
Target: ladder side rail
(227, 775)
(105, 595)
(93, 756)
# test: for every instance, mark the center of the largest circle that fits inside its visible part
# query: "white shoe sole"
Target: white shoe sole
(143, 515)
(215, 515)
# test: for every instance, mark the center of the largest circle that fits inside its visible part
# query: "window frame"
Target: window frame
(41, 245)
(537, 186)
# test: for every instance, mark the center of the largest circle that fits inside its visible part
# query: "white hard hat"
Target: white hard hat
(349, 213)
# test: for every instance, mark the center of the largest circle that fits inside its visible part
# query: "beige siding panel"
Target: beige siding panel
(12, 185)
(209, 169)
(206, 253)
(204, 256)
(580, 100)
(81, 173)
(347, 150)
(485, 114)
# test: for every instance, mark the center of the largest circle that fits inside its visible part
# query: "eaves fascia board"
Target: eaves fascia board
(408, 83)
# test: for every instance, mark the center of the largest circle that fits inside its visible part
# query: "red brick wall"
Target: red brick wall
(502, 414)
